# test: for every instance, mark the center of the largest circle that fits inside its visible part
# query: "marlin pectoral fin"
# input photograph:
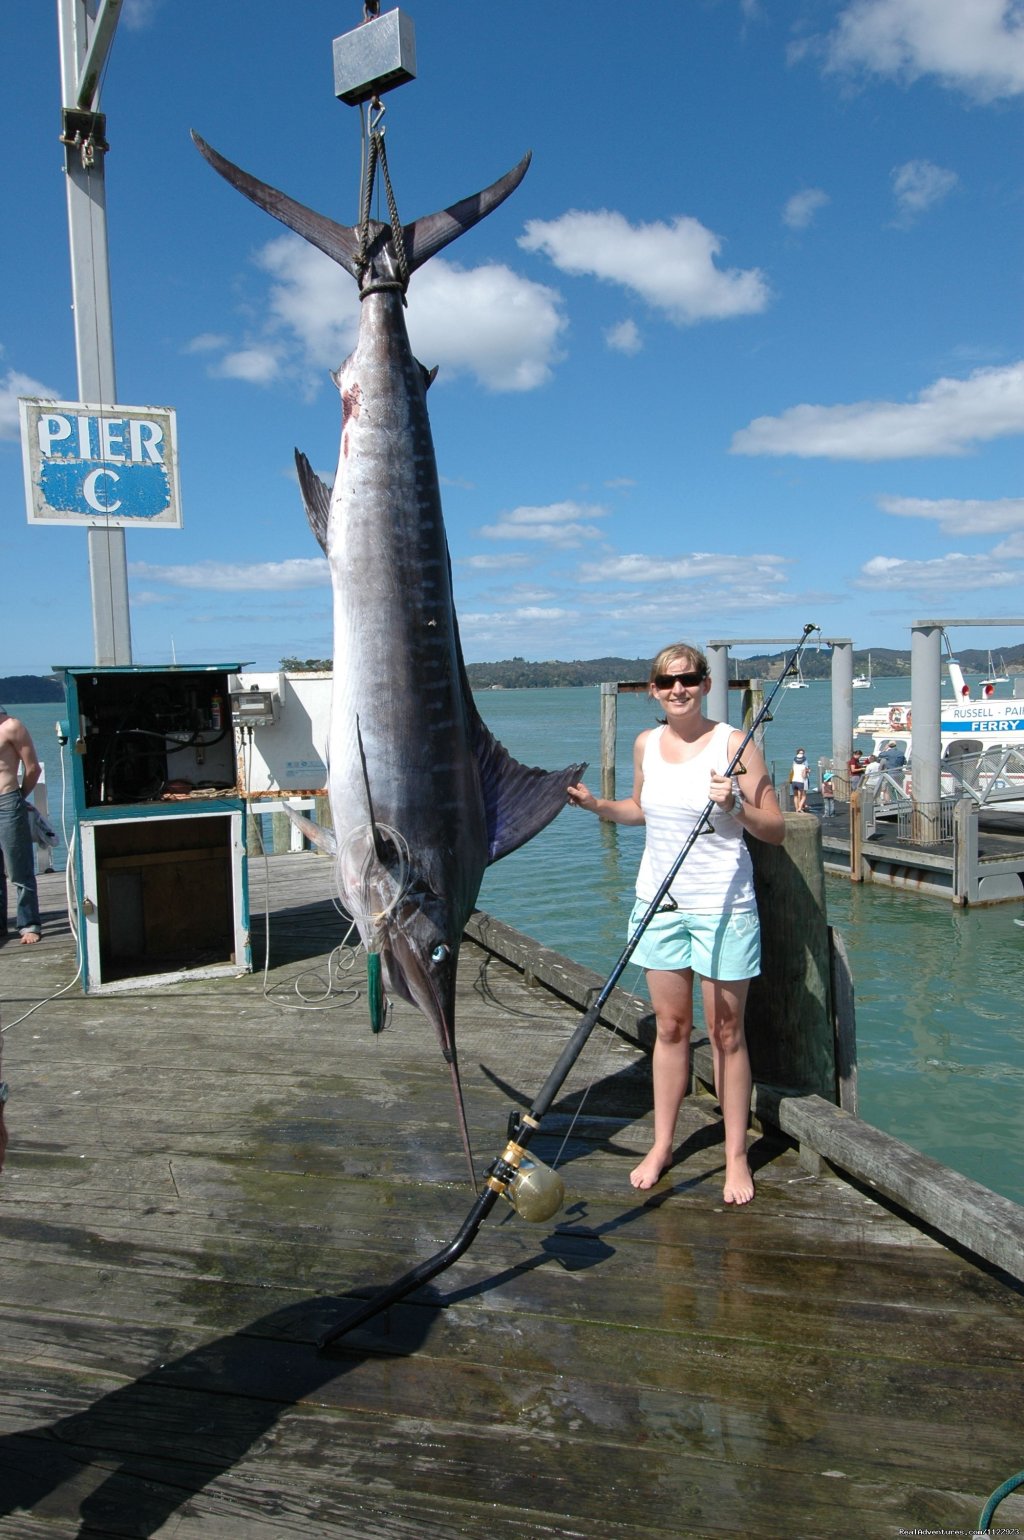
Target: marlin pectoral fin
(316, 495)
(340, 242)
(519, 800)
(426, 236)
(323, 839)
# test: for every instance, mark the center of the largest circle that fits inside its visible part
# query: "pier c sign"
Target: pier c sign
(100, 466)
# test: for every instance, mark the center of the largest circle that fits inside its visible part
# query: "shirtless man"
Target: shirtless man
(17, 753)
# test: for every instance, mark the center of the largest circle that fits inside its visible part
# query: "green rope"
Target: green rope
(997, 1496)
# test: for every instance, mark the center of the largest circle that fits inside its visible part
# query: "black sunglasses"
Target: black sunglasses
(666, 681)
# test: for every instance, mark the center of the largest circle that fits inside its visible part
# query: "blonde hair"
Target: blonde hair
(698, 662)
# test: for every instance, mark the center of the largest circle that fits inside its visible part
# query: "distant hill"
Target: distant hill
(886, 663)
(18, 688)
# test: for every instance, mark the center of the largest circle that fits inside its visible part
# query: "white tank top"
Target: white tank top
(717, 874)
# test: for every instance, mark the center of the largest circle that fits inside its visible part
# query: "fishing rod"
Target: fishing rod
(535, 1191)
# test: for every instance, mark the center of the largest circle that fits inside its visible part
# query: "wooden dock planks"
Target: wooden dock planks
(198, 1175)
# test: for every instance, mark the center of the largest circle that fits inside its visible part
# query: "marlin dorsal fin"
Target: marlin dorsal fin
(316, 495)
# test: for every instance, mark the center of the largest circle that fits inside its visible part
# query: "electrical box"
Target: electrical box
(374, 57)
(159, 859)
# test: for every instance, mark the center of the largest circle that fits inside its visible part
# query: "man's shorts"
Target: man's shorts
(717, 946)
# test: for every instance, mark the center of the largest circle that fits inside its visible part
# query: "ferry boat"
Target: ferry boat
(982, 739)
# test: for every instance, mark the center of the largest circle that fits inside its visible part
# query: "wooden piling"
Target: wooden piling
(609, 727)
(790, 1027)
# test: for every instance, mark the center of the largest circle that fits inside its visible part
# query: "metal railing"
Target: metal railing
(926, 823)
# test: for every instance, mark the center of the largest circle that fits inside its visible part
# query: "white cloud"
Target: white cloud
(801, 208)
(256, 365)
(137, 15)
(504, 561)
(13, 385)
(961, 517)
(313, 301)
(557, 524)
(947, 418)
(486, 321)
(975, 46)
(207, 342)
(624, 338)
(942, 575)
(670, 266)
(919, 185)
(691, 567)
(238, 577)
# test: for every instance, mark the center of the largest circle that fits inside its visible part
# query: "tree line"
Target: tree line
(518, 674)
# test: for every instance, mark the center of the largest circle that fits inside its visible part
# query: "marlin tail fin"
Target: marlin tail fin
(424, 238)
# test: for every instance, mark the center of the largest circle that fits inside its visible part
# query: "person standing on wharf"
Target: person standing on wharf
(708, 923)
(17, 753)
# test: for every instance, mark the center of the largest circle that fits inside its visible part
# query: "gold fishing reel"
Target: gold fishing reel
(532, 1188)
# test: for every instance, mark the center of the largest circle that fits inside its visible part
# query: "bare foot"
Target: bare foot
(650, 1170)
(739, 1184)
(30, 938)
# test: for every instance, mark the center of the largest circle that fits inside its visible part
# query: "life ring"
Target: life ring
(896, 717)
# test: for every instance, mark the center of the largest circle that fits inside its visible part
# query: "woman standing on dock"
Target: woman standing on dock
(708, 923)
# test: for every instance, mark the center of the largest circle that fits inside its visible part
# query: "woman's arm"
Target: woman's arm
(625, 810)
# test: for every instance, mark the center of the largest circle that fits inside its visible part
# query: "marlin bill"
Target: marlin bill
(423, 797)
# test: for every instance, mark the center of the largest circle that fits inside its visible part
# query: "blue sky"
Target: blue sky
(743, 351)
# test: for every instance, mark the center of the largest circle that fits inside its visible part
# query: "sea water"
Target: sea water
(938, 990)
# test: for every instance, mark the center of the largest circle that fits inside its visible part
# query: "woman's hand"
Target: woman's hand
(580, 796)
(722, 793)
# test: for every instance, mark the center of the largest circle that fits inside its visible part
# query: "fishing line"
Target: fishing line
(330, 996)
(616, 1031)
(360, 877)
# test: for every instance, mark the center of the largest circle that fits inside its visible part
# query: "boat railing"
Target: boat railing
(987, 777)
(882, 795)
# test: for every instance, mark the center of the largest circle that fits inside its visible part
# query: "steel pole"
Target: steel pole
(83, 40)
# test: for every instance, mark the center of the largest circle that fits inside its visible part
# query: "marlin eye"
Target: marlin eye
(439, 954)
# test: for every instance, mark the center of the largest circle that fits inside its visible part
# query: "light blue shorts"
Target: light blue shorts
(717, 946)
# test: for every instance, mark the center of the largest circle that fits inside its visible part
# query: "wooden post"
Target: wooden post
(856, 839)
(965, 852)
(609, 727)
(281, 832)
(253, 831)
(789, 1010)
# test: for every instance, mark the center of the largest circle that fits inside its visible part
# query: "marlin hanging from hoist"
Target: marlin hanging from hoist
(423, 797)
